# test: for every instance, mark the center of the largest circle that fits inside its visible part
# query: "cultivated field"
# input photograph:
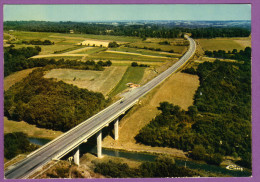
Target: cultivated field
(227, 44)
(98, 81)
(91, 42)
(73, 46)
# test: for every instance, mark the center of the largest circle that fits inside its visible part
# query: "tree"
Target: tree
(192, 111)
(108, 63)
(198, 152)
(165, 107)
(134, 64)
(113, 44)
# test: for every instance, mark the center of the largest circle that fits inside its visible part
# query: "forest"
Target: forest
(142, 31)
(50, 104)
(219, 122)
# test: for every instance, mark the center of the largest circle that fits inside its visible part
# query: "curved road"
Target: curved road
(79, 134)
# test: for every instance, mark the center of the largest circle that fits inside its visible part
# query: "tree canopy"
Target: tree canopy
(50, 104)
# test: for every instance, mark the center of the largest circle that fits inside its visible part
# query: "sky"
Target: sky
(127, 12)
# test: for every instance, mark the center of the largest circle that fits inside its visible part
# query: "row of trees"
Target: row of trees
(50, 104)
(135, 64)
(142, 31)
(161, 167)
(38, 42)
(242, 55)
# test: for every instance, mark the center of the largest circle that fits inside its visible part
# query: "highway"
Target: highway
(79, 134)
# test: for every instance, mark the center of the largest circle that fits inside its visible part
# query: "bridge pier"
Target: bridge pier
(116, 129)
(99, 144)
(76, 156)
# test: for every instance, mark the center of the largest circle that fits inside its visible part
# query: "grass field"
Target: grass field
(97, 81)
(132, 74)
(16, 77)
(31, 130)
(22, 35)
(154, 43)
(227, 44)
(244, 42)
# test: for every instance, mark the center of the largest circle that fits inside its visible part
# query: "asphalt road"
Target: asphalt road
(74, 137)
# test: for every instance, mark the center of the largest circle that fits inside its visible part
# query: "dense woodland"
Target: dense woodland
(50, 104)
(17, 143)
(146, 30)
(162, 167)
(242, 55)
(18, 59)
(219, 122)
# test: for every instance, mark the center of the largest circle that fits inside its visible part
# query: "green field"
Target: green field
(92, 51)
(133, 75)
(227, 44)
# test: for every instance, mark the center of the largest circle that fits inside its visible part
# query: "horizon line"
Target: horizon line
(121, 20)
